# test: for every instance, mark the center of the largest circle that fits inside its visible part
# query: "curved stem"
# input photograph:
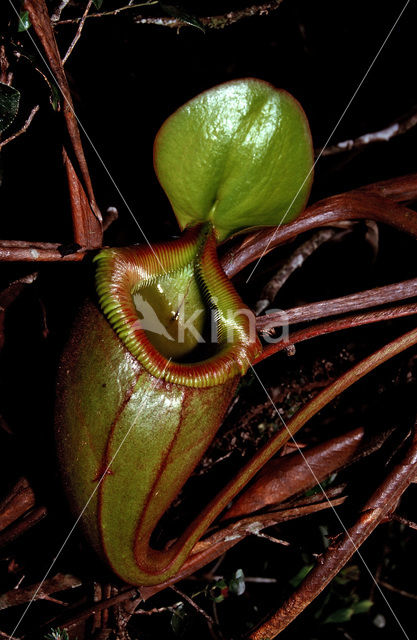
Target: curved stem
(337, 306)
(331, 326)
(354, 205)
(166, 562)
(271, 490)
(382, 502)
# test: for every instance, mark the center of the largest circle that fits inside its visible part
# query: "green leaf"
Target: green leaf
(24, 22)
(363, 606)
(57, 634)
(340, 615)
(97, 3)
(237, 583)
(299, 577)
(9, 105)
(238, 155)
(318, 488)
(344, 615)
(178, 619)
(178, 12)
(348, 574)
(54, 98)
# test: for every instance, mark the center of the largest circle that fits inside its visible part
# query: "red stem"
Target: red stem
(86, 214)
(331, 326)
(336, 306)
(353, 205)
(381, 503)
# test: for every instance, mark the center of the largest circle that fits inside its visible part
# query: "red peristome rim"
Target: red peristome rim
(122, 272)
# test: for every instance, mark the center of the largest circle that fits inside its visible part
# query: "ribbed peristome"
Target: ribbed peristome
(122, 273)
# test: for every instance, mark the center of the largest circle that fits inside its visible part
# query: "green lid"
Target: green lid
(239, 155)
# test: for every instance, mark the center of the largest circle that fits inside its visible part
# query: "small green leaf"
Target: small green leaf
(237, 583)
(363, 606)
(178, 619)
(348, 574)
(344, 615)
(178, 12)
(24, 22)
(97, 3)
(340, 615)
(54, 98)
(299, 577)
(9, 105)
(57, 634)
(238, 155)
(318, 488)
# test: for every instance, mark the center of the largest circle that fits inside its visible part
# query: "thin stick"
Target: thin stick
(151, 612)
(338, 554)
(258, 534)
(60, 582)
(336, 306)
(20, 499)
(34, 252)
(87, 222)
(57, 13)
(407, 523)
(383, 135)
(210, 22)
(6, 635)
(193, 604)
(78, 34)
(401, 592)
(23, 129)
(339, 325)
(294, 262)
(113, 12)
(21, 526)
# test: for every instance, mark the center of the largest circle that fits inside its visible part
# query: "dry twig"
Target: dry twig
(288, 476)
(405, 521)
(87, 220)
(376, 202)
(78, 33)
(21, 526)
(113, 12)
(20, 499)
(23, 129)
(383, 135)
(295, 261)
(60, 582)
(57, 13)
(323, 328)
(381, 503)
(16, 251)
(209, 22)
(353, 302)
(400, 592)
(193, 604)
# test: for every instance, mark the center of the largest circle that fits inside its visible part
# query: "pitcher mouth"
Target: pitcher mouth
(176, 311)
